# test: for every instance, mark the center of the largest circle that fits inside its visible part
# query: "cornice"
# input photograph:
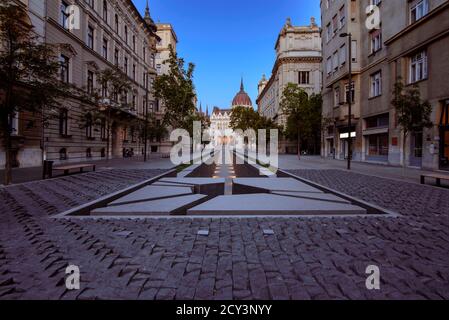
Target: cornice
(280, 62)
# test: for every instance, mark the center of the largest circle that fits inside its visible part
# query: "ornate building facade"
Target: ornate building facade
(298, 60)
(105, 35)
(220, 119)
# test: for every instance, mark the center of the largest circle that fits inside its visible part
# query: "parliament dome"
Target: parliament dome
(242, 98)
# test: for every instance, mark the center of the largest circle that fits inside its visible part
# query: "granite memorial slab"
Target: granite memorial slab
(152, 193)
(271, 204)
(161, 207)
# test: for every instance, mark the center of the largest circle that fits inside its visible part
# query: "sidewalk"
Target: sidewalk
(291, 162)
(20, 175)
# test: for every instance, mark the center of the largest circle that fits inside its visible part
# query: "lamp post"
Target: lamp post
(349, 97)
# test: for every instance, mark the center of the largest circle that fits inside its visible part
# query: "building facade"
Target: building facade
(298, 60)
(220, 119)
(405, 44)
(104, 35)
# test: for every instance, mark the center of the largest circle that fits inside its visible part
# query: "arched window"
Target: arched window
(63, 154)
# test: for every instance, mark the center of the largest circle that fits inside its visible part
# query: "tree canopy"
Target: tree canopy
(176, 90)
(303, 115)
(29, 72)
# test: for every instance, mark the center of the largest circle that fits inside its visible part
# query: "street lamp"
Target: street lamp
(349, 96)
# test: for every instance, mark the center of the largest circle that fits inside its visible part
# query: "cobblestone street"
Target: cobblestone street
(306, 258)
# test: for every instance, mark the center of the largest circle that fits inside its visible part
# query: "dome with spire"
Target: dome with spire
(242, 98)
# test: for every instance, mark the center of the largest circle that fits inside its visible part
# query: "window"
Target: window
(347, 94)
(64, 15)
(89, 126)
(105, 49)
(335, 61)
(378, 145)
(134, 43)
(14, 123)
(342, 16)
(304, 77)
(134, 72)
(153, 60)
(88, 153)
(343, 55)
(63, 122)
(134, 103)
(381, 121)
(126, 34)
(116, 57)
(328, 32)
(418, 9)
(116, 24)
(144, 54)
(105, 11)
(329, 66)
(376, 84)
(354, 51)
(335, 24)
(90, 82)
(337, 96)
(125, 66)
(418, 67)
(376, 40)
(90, 37)
(64, 68)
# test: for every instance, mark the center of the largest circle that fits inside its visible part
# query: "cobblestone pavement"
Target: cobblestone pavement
(320, 258)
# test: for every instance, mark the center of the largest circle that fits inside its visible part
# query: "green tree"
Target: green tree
(176, 91)
(244, 118)
(413, 114)
(303, 116)
(28, 74)
(295, 104)
(315, 122)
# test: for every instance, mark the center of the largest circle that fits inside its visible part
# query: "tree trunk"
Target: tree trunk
(404, 141)
(299, 145)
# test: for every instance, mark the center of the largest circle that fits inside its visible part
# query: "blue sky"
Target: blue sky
(229, 39)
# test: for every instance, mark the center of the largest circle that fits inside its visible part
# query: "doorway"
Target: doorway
(416, 149)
